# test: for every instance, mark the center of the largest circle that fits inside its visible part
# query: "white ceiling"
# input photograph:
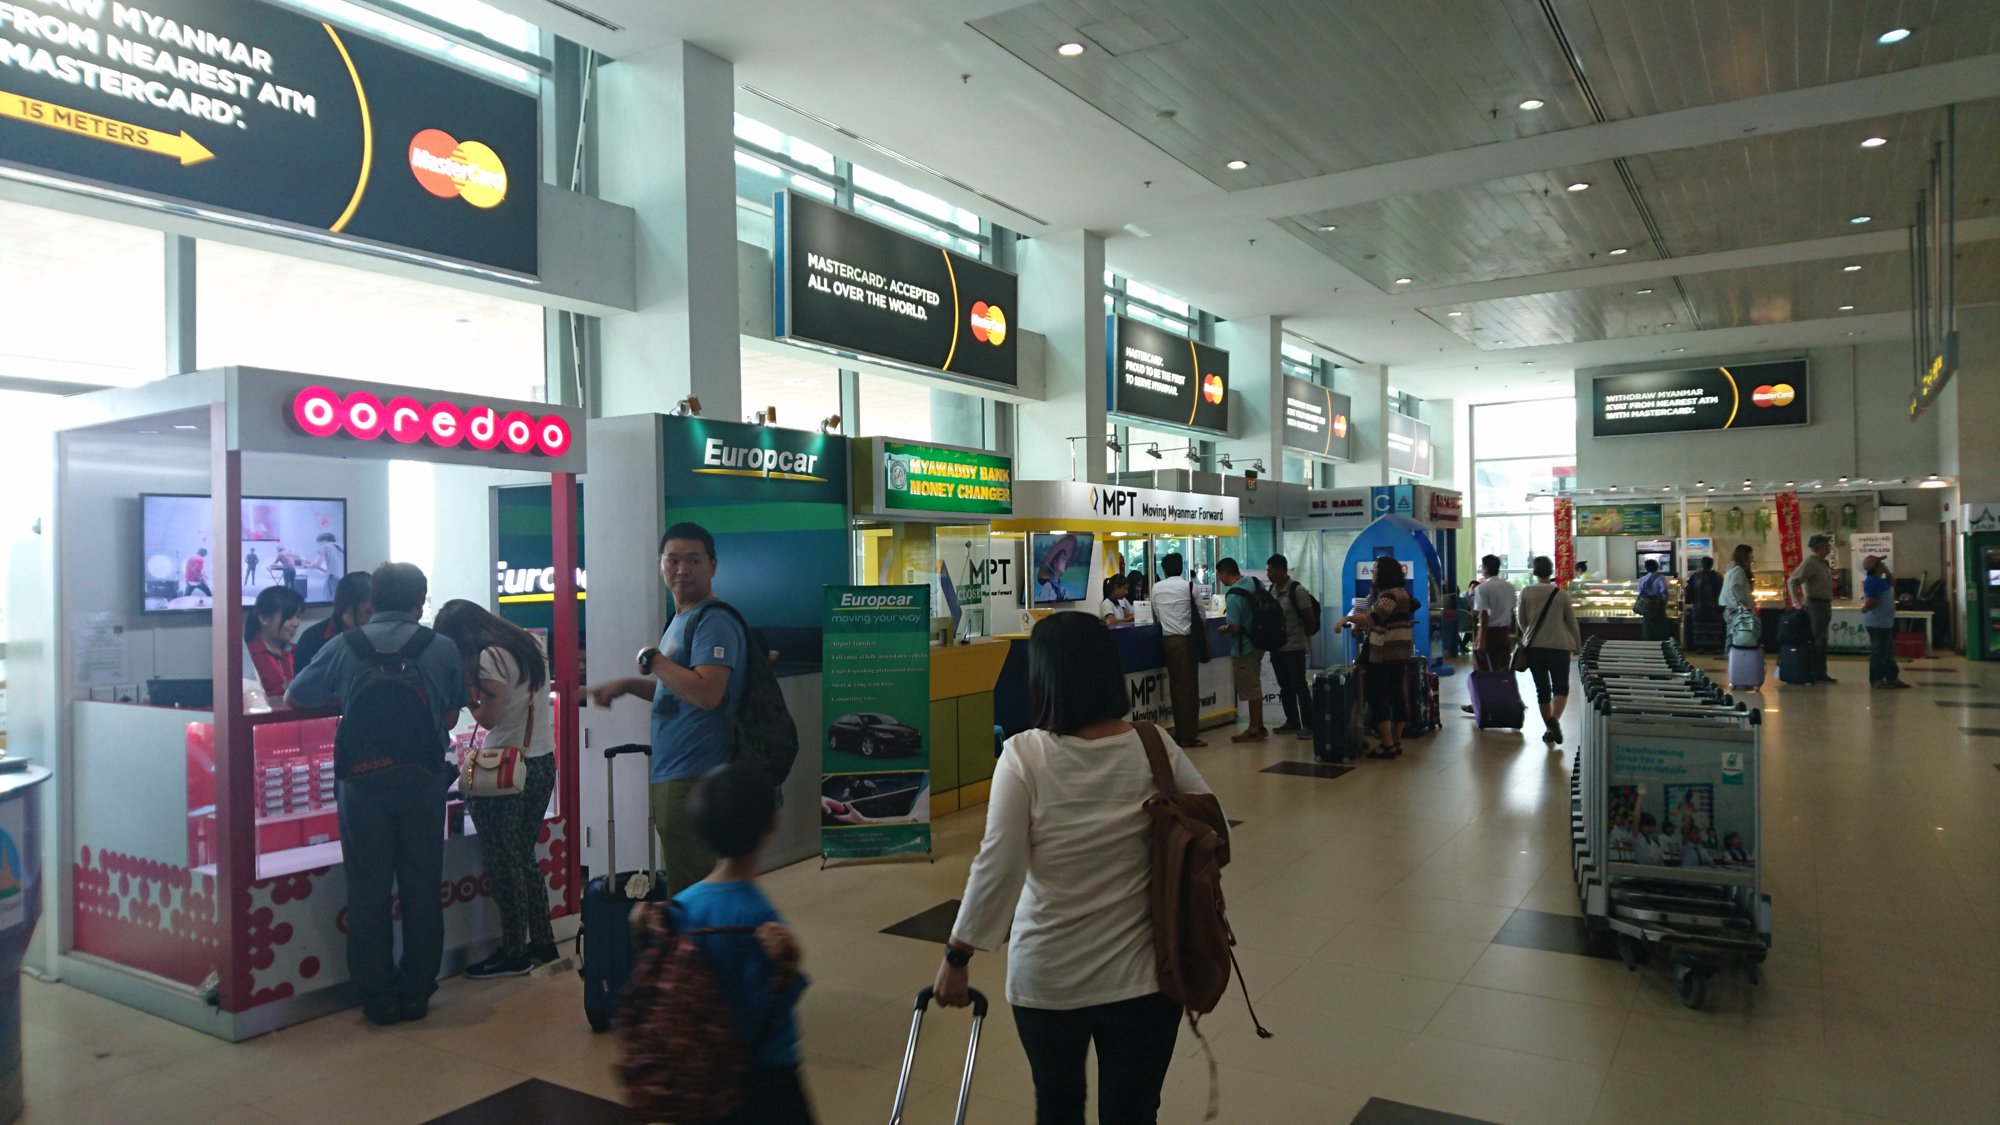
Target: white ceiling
(1406, 110)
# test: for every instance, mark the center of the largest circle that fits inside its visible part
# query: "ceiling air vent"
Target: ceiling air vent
(584, 14)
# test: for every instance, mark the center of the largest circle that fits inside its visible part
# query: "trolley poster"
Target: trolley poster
(1683, 801)
(875, 783)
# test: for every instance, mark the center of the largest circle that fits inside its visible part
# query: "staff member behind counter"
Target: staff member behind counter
(268, 632)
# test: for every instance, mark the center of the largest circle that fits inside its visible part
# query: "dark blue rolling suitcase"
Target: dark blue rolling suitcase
(1336, 714)
(1795, 664)
(605, 939)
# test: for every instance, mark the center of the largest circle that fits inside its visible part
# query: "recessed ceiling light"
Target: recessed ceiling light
(1643, 292)
(1532, 103)
(1668, 324)
(1850, 269)
(1454, 312)
(180, 426)
(1859, 219)
(1237, 165)
(1579, 186)
(1328, 227)
(1404, 280)
(149, 431)
(1620, 250)
(1847, 308)
(1070, 50)
(1875, 142)
(1680, 349)
(1893, 35)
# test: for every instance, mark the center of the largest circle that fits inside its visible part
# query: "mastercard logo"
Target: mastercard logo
(1340, 425)
(1211, 388)
(989, 324)
(450, 168)
(1774, 394)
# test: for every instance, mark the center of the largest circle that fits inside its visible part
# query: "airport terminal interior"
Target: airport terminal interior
(1667, 329)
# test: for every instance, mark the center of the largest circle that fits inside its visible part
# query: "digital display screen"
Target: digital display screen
(1409, 446)
(1062, 567)
(1163, 377)
(1317, 419)
(1733, 397)
(257, 113)
(286, 541)
(851, 284)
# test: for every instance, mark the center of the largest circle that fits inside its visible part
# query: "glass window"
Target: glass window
(1517, 540)
(894, 408)
(1503, 486)
(259, 309)
(804, 391)
(480, 19)
(61, 275)
(760, 135)
(923, 203)
(1298, 355)
(902, 220)
(1171, 324)
(1140, 291)
(1524, 429)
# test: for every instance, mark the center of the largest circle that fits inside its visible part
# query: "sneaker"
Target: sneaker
(1197, 744)
(382, 1015)
(1285, 728)
(1251, 736)
(1549, 736)
(1827, 680)
(544, 954)
(1304, 736)
(414, 1010)
(1898, 685)
(500, 965)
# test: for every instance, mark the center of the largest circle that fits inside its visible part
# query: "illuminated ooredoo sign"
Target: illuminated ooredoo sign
(319, 412)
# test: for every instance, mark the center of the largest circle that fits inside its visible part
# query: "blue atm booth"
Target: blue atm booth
(1409, 542)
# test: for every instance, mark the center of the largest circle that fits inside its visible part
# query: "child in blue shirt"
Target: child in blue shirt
(735, 809)
(1878, 616)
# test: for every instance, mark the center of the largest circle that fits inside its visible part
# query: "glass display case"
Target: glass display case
(1601, 601)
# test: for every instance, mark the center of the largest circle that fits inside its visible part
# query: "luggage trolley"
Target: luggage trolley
(1666, 815)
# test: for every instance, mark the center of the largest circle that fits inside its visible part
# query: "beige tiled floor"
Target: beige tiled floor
(1365, 907)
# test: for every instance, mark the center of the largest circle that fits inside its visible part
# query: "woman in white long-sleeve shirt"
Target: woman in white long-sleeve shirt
(1067, 862)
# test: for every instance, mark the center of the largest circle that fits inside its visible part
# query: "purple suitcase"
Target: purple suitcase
(1496, 701)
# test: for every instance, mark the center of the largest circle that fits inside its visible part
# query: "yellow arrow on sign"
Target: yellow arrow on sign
(65, 120)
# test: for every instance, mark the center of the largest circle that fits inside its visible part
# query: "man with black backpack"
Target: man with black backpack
(400, 688)
(1243, 598)
(697, 679)
(1288, 661)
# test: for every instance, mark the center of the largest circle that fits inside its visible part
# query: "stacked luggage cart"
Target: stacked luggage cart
(1666, 814)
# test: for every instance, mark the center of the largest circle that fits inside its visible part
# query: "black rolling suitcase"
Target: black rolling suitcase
(1795, 664)
(1336, 714)
(1423, 699)
(605, 940)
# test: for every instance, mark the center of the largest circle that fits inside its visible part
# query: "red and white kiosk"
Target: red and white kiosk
(197, 849)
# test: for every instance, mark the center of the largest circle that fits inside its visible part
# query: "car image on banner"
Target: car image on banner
(858, 741)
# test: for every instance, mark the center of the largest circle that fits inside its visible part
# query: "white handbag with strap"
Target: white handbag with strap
(497, 771)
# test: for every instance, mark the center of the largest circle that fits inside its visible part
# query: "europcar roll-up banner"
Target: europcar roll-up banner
(875, 780)
(1700, 398)
(1317, 419)
(853, 285)
(254, 113)
(524, 573)
(1162, 377)
(1409, 443)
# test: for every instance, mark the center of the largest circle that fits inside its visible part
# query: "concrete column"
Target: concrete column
(1062, 295)
(1256, 374)
(1368, 385)
(672, 160)
(179, 330)
(1968, 413)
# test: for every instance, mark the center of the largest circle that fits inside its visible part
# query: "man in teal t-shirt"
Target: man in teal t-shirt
(694, 680)
(1246, 663)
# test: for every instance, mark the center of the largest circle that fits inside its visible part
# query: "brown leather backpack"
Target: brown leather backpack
(1193, 947)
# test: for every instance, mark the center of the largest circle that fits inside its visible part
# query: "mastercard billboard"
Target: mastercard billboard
(1317, 419)
(850, 285)
(1723, 397)
(1162, 377)
(258, 115)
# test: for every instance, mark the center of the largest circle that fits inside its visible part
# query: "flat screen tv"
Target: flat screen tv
(293, 541)
(1062, 567)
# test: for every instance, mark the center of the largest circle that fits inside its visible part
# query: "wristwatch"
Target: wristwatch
(957, 958)
(646, 656)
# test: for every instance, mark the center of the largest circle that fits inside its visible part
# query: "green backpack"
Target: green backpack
(760, 727)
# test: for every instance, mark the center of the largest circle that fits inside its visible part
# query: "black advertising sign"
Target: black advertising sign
(1317, 420)
(1409, 443)
(1164, 377)
(254, 112)
(1700, 398)
(854, 285)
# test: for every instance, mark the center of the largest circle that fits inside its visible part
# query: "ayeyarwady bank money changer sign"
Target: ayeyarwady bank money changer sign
(928, 478)
(260, 115)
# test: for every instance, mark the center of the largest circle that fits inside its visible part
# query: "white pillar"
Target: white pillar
(1062, 295)
(1256, 375)
(1368, 385)
(668, 116)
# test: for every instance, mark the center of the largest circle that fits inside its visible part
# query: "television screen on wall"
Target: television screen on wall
(294, 541)
(1724, 397)
(1062, 568)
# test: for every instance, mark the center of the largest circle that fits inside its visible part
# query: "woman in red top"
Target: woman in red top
(268, 632)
